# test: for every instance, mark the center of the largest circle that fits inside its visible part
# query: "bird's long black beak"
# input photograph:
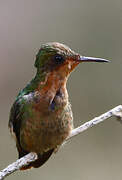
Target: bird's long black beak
(91, 59)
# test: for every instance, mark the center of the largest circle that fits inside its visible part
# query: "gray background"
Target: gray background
(92, 28)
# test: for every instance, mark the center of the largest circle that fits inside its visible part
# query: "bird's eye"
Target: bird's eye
(58, 59)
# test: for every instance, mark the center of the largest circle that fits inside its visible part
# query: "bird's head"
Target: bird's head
(58, 58)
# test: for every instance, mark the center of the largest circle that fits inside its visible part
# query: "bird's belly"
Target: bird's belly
(47, 132)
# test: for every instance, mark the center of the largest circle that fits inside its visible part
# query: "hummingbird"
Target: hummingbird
(41, 117)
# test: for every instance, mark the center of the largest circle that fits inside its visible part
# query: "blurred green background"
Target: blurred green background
(92, 28)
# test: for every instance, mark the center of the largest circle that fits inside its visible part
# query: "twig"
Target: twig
(117, 111)
(18, 164)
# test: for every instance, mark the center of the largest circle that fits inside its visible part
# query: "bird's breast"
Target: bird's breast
(48, 125)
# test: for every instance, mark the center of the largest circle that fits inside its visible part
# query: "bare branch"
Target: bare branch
(18, 164)
(117, 111)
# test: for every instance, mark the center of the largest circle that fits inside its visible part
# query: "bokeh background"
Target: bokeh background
(92, 28)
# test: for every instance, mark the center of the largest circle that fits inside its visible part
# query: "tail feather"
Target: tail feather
(40, 161)
(37, 163)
